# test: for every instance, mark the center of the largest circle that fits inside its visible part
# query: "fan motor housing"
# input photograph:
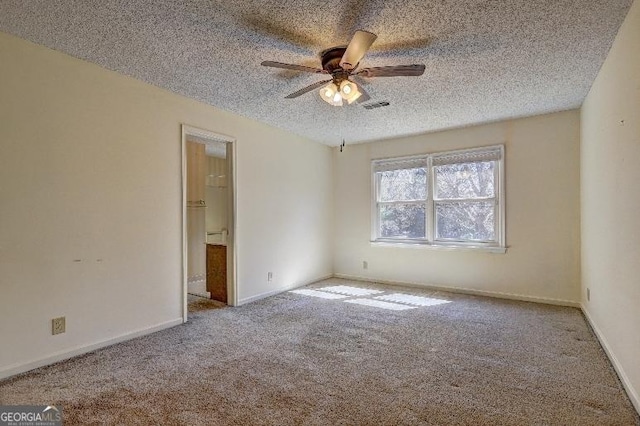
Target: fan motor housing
(331, 58)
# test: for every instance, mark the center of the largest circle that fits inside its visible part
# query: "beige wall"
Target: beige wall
(610, 151)
(90, 204)
(542, 213)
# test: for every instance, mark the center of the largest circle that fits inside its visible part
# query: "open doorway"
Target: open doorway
(208, 220)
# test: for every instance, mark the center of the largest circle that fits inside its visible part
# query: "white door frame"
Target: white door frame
(232, 289)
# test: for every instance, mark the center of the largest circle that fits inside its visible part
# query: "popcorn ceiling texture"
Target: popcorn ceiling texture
(486, 60)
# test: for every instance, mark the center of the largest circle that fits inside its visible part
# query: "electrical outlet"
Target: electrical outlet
(365, 264)
(58, 325)
(588, 295)
(269, 276)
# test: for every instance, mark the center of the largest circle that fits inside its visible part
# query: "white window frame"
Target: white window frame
(430, 241)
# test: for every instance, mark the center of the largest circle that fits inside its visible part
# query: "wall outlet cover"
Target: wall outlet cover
(58, 325)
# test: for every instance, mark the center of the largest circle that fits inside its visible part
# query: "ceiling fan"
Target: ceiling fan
(341, 62)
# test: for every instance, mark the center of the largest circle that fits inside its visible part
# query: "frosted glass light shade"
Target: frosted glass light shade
(328, 92)
(331, 95)
(334, 95)
(349, 91)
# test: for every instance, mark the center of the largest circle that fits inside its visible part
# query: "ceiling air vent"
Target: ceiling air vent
(376, 105)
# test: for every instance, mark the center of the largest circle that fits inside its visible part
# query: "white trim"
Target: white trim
(206, 134)
(265, 295)
(374, 217)
(429, 217)
(497, 154)
(183, 212)
(282, 290)
(14, 369)
(501, 194)
(232, 249)
(232, 215)
(633, 395)
(439, 245)
(462, 290)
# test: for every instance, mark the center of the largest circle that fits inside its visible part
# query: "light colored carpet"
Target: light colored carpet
(197, 303)
(302, 359)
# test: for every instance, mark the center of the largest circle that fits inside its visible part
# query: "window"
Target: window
(450, 199)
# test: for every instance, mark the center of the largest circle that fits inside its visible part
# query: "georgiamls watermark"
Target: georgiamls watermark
(30, 415)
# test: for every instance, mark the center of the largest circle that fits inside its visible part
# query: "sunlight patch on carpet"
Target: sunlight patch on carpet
(350, 291)
(316, 293)
(371, 297)
(380, 304)
(412, 300)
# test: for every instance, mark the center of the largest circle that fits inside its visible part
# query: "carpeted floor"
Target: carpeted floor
(326, 357)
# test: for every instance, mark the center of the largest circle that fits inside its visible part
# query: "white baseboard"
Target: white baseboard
(626, 383)
(280, 290)
(14, 369)
(463, 290)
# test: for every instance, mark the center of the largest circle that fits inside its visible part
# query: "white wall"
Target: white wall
(196, 214)
(542, 213)
(90, 204)
(216, 196)
(285, 212)
(610, 151)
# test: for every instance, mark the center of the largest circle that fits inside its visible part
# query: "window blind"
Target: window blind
(489, 154)
(407, 163)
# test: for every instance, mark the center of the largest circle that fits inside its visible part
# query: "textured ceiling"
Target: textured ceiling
(485, 60)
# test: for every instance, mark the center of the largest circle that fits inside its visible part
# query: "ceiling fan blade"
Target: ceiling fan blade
(309, 88)
(364, 96)
(393, 71)
(357, 48)
(292, 67)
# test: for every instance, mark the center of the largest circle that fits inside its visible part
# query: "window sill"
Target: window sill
(446, 247)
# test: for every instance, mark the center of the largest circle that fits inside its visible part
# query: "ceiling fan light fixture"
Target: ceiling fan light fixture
(354, 97)
(349, 91)
(337, 99)
(347, 87)
(328, 91)
(331, 95)
(340, 88)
